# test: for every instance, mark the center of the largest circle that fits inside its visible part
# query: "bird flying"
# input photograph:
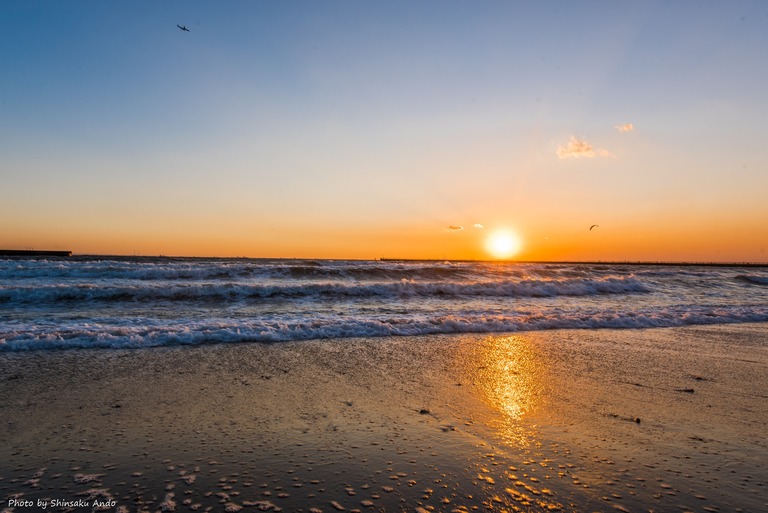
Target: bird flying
(183, 27)
(593, 226)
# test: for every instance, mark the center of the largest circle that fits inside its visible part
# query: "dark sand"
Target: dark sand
(632, 420)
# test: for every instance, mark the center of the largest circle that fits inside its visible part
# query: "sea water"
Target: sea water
(106, 302)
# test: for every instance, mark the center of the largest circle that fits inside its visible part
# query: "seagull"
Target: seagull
(184, 28)
(593, 226)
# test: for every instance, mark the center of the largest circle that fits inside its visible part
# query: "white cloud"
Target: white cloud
(627, 127)
(579, 148)
(576, 149)
(478, 225)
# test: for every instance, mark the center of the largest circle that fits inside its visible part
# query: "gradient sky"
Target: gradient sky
(361, 129)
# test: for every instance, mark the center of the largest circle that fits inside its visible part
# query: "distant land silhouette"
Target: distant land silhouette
(31, 252)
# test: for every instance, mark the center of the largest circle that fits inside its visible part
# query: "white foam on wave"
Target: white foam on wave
(137, 302)
(20, 337)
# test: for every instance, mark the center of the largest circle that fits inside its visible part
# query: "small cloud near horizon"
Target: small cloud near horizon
(478, 226)
(626, 127)
(455, 228)
(579, 148)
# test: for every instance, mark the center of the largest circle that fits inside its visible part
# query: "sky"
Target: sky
(398, 129)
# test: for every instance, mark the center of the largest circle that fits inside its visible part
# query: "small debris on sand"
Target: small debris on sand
(87, 478)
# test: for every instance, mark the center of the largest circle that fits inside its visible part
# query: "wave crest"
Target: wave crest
(150, 334)
(232, 291)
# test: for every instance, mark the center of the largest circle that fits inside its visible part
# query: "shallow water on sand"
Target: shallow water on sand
(564, 420)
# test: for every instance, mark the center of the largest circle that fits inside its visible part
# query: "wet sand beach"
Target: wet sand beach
(669, 419)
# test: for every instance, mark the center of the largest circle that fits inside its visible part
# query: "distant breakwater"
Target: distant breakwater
(35, 253)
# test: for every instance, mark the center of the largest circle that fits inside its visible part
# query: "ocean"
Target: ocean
(139, 302)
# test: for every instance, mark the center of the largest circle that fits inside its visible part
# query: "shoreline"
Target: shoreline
(539, 421)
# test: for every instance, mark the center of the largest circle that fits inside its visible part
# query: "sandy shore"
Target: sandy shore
(609, 420)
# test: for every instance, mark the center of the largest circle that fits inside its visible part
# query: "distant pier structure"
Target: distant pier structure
(34, 253)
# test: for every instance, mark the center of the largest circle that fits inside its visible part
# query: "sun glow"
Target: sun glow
(503, 244)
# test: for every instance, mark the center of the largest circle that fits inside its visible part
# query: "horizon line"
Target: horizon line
(709, 263)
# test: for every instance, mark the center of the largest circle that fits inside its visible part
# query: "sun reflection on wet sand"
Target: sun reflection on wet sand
(508, 373)
(530, 422)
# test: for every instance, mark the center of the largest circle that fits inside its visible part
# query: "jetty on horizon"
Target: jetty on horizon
(33, 252)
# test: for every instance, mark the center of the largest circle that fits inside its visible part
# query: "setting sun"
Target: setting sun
(503, 244)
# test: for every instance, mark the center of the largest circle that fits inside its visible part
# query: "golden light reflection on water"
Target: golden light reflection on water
(508, 373)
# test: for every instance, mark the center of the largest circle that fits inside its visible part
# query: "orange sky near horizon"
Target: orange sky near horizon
(626, 242)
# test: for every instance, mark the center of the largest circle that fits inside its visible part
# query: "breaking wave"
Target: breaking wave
(152, 333)
(176, 291)
(141, 302)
